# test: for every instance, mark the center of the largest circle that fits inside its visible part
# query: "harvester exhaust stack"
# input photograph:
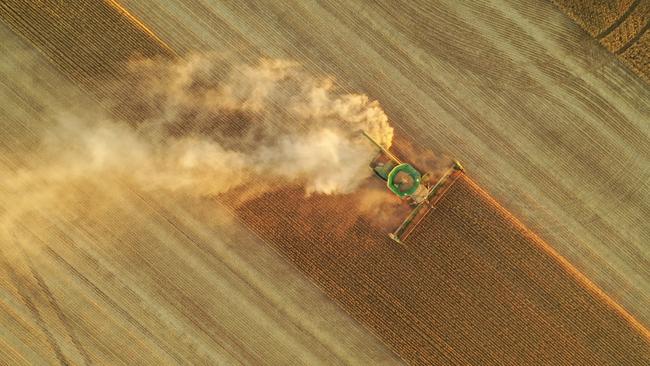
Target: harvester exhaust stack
(381, 148)
(406, 182)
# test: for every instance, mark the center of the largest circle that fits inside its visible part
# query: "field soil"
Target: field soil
(545, 119)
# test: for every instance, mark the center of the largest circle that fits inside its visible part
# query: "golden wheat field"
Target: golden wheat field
(126, 265)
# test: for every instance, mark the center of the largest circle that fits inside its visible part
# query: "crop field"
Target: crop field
(550, 267)
(511, 95)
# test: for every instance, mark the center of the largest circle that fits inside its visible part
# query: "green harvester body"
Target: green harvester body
(408, 183)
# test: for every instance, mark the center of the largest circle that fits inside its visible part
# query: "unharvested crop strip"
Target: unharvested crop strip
(409, 280)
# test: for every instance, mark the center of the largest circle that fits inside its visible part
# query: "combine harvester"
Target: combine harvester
(416, 189)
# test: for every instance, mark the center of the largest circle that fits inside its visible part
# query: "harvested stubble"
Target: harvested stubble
(471, 286)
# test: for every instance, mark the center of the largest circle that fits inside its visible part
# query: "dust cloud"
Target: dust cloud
(205, 128)
(202, 127)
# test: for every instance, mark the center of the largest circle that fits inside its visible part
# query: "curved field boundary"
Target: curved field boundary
(472, 285)
(620, 26)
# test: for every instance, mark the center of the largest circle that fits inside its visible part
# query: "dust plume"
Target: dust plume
(204, 128)
(201, 127)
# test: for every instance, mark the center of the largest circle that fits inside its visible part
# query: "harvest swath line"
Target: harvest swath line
(616, 28)
(569, 267)
(618, 21)
(122, 10)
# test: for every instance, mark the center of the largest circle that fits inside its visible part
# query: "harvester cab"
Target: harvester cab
(405, 181)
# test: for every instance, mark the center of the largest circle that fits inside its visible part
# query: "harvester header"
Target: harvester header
(405, 181)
